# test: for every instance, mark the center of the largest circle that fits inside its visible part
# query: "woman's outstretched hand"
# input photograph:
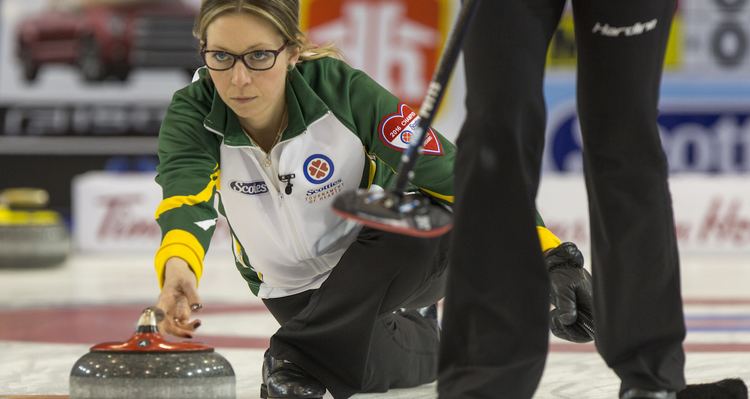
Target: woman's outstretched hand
(178, 299)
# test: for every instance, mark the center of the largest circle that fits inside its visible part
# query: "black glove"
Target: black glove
(570, 293)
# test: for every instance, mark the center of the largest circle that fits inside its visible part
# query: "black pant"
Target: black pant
(346, 333)
(495, 326)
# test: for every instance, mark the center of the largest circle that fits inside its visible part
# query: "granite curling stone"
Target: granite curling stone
(147, 366)
(30, 236)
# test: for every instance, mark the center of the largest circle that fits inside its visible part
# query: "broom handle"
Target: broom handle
(435, 92)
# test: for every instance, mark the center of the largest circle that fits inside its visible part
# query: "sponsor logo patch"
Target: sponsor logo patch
(324, 192)
(695, 138)
(614, 31)
(318, 168)
(397, 129)
(249, 188)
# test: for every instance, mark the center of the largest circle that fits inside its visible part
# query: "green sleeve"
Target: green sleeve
(188, 175)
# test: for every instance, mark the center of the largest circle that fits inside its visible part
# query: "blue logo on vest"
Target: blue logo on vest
(318, 168)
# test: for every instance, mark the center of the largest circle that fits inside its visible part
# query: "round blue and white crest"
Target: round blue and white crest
(318, 168)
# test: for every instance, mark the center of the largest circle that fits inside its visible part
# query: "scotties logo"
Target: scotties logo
(324, 192)
(249, 188)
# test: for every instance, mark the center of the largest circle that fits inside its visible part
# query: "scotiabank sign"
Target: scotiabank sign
(396, 42)
(713, 138)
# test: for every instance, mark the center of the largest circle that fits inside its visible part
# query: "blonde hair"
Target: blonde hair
(282, 14)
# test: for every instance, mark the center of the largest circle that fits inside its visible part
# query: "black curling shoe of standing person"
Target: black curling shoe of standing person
(730, 388)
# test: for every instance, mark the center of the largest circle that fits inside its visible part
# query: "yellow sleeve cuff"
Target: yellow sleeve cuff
(548, 239)
(181, 244)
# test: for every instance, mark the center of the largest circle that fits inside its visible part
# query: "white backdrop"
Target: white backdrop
(115, 211)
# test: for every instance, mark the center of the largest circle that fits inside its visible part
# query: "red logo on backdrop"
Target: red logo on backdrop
(397, 129)
(396, 42)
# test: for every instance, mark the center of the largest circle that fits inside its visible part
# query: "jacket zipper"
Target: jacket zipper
(297, 238)
(300, 249)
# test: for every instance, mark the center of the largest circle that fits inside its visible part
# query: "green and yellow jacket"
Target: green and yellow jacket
(344, 132)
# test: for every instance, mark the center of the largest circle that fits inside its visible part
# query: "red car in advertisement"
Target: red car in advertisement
(108, 38)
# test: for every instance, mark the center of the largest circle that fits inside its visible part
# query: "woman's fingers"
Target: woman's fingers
(179, 298)
(176, 328)
(191, 294)
(187, 327)
(181, 310)
(178, 319)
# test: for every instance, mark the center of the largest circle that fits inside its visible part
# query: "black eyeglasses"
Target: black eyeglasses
(257, 60)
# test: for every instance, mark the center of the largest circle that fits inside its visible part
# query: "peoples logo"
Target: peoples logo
(249, 188)
(318, 168)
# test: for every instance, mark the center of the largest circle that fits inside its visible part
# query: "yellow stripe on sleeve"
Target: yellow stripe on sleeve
(548, 239)
(446, 198)
(177, 201)
(181, 244)
(373, 169)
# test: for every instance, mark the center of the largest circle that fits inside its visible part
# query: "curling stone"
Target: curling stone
(147, 366)
(29, 235)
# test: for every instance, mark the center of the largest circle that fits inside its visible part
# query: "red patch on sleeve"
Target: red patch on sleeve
(397, 129)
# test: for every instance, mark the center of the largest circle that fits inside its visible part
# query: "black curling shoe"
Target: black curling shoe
(730, 388)
(429, 312)
(283, 379)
